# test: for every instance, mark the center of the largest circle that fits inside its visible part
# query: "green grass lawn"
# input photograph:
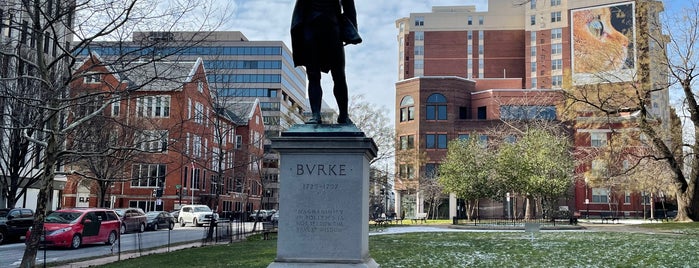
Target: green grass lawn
(475, 249)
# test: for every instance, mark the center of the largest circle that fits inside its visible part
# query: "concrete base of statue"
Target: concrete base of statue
(324, 197)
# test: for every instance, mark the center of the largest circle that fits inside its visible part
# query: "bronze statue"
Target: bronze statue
(319, 31)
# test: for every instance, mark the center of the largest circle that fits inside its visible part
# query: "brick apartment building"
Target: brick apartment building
(188, 146)
(459, 69)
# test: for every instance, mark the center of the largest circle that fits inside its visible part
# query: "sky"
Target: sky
(372, 66)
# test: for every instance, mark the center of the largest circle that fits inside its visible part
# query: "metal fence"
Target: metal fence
(514, 222)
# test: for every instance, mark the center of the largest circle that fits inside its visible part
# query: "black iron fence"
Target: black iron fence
(514, 222)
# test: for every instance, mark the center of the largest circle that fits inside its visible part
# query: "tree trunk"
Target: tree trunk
(529, 211)
(688, 204)
(51, 158)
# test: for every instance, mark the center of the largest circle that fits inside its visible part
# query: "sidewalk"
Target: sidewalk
(97, 261)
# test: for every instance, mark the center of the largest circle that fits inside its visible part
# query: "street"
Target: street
(11, 254)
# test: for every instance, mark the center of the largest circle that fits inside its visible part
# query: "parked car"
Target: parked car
(175, 214)
(132, 219)
(263, 215)
(275, 217)
(74, 227)
(196, 214)
(14, 223)
(159, 219)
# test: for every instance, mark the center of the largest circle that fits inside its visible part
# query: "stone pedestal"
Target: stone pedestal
(324, 197)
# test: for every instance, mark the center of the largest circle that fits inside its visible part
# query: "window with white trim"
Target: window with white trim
(555, 16)
(600, 195)
(148, 175)
(198, 113)
(598, 139)
(92, 78)
(153, 141)
(153, 106)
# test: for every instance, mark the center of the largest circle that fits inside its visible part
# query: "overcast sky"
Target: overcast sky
(372, 66)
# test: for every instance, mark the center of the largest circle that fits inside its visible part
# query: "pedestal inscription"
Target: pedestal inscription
(322, 195)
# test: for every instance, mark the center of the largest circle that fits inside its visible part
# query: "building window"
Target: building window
(116, 107)
(532, 51)
(196, 145)
(407, 142)
(555, 16)
(532, 36)
(419, 50)
(198, 113)
(600, 195)
(598, 139)
(556, 81)
(555, 3)
(406, 171)
(407, 109)
(532, 20)
(419, 21)
(200, 86)
(469, 50)
(533, 66)
(419, 35)
(196, 179)
(148, 175)
(483, 140)
(481, 20)
(470, 20)
(419, 64)
(482, 112)
(152, 141)
(436, 141)
(533, 84)
(480, 49)
(556, 33)
(481, 35)
(556, 49)
(469, 35)
(153, 106)
(532, 4)
(464, 137)
(92, 78)
(557, 64)
(436, 108)
(238, 141)
(527, 112)
(431, 170)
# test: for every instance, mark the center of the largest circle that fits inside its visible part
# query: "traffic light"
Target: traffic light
(159, 192)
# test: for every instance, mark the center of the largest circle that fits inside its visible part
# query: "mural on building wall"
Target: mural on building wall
(603, 43)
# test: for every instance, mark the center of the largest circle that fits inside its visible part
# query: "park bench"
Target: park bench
(268, 228)
(608, 216)
(421, 217)
(380, 221)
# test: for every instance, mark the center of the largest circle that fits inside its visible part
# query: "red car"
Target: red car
(74, 227)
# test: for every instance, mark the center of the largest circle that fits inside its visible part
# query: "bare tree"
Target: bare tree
(663, 51)
(43, 61)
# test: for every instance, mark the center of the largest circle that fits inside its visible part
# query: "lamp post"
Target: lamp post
(507, 197)
(587, 207)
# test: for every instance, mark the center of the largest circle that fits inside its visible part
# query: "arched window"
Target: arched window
(436, 107)
(407, 109)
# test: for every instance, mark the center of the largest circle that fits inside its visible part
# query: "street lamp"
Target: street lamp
(587, 205)
(507, 197)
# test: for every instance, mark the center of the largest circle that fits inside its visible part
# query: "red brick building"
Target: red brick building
(459, 67)
(184, 145)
